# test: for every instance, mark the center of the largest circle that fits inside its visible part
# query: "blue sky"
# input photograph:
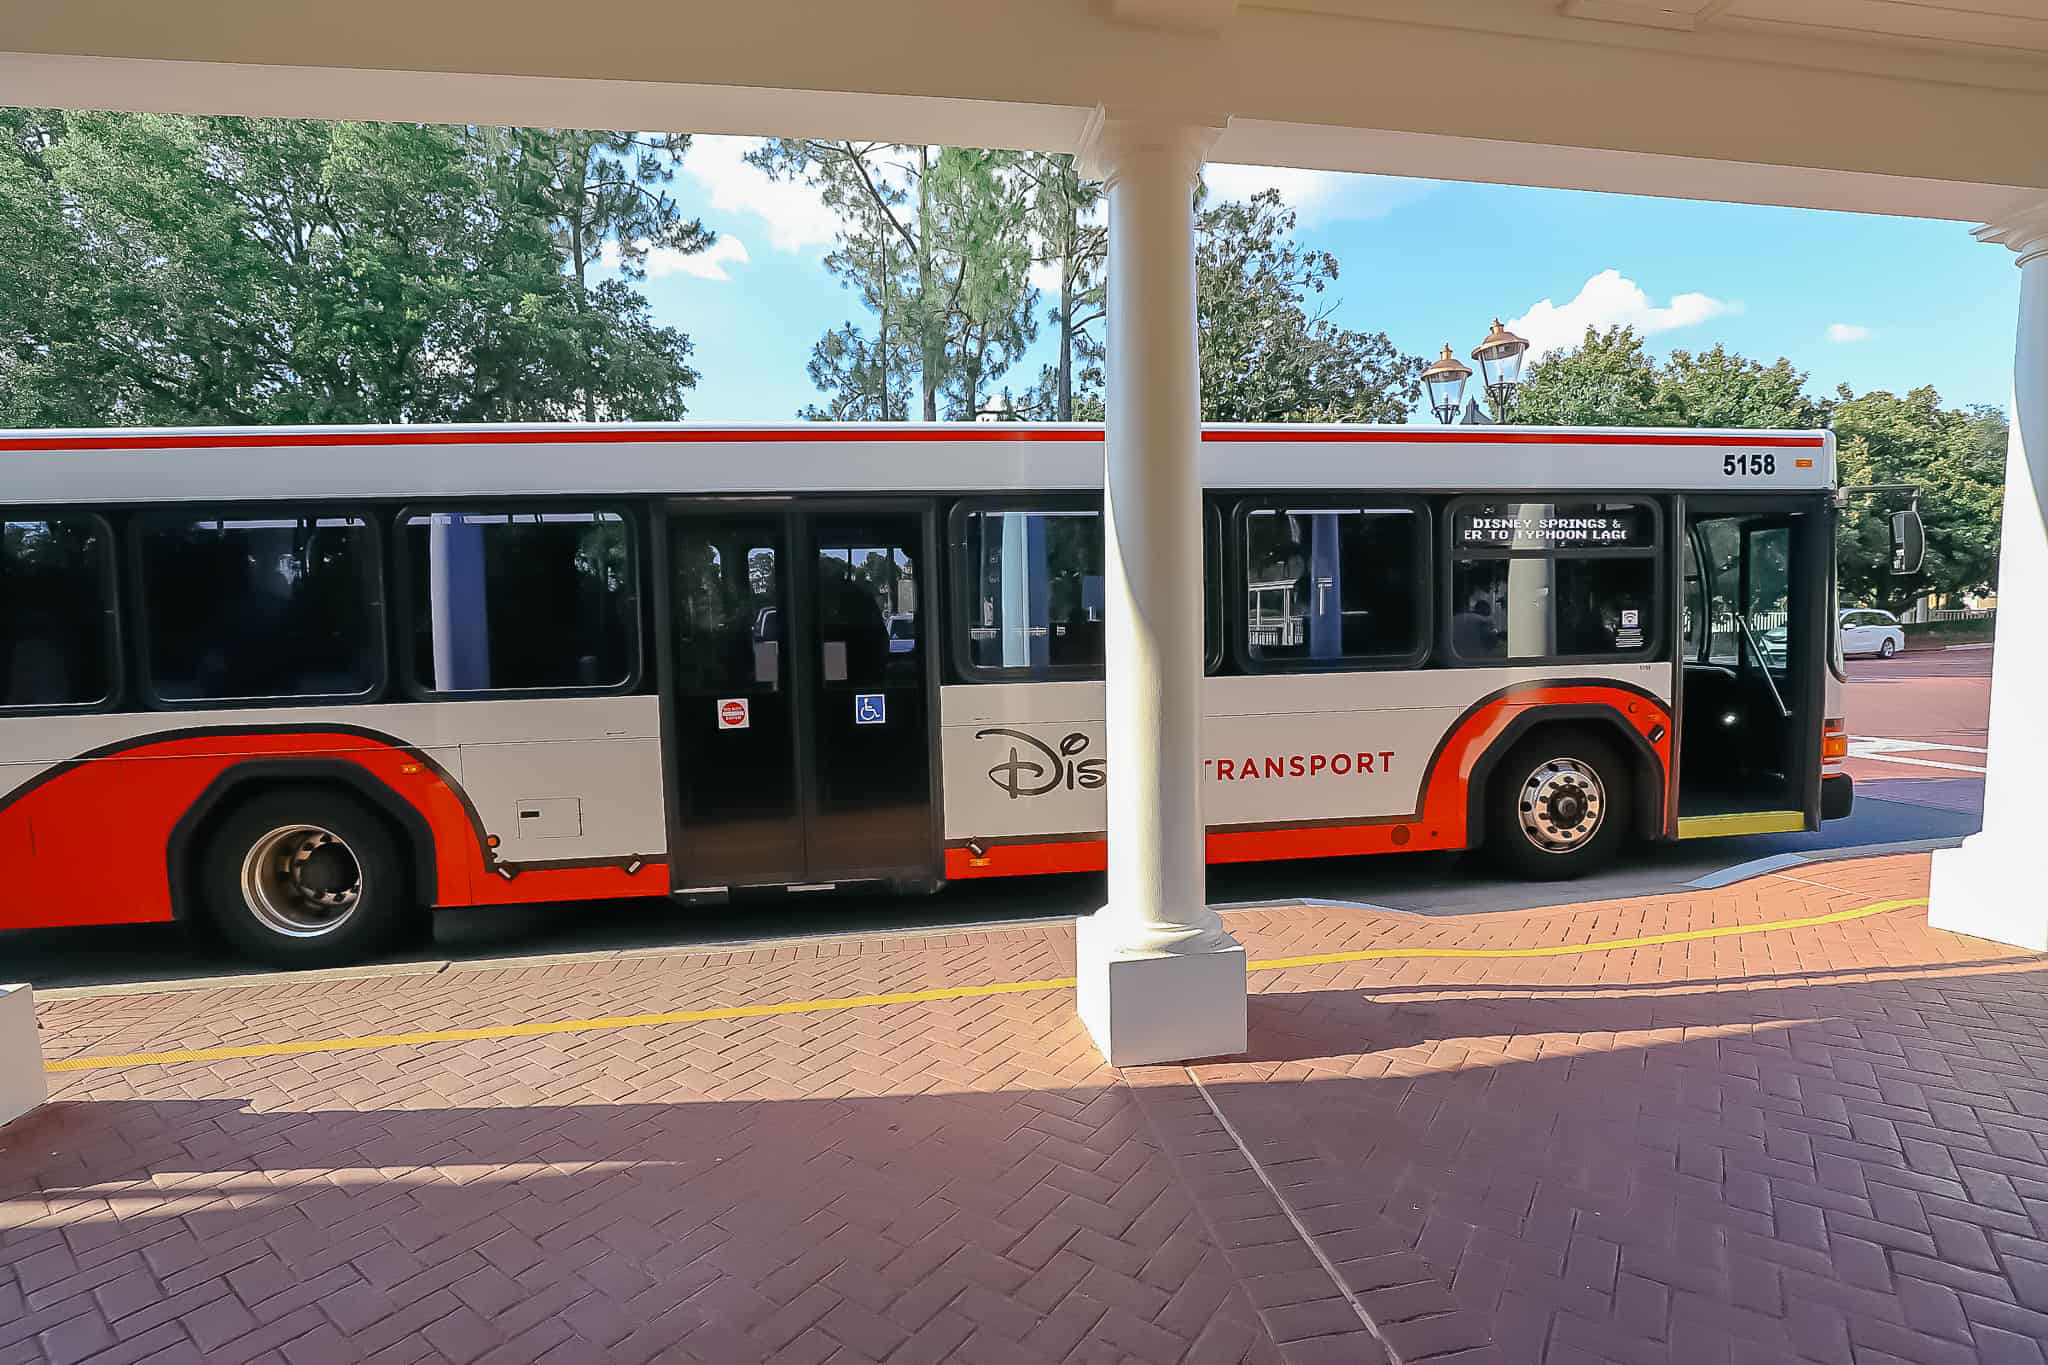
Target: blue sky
(1872, 302)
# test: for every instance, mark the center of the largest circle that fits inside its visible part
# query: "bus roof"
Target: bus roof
(153, 465)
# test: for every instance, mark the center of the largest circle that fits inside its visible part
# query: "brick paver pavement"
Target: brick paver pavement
(1821, 1143)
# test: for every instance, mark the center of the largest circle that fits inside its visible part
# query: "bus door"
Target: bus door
(801, 694)
(1751, 664)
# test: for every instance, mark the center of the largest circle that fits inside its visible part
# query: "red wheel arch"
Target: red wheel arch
(93, 840)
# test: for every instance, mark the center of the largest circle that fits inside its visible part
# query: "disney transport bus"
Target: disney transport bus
(307, 684)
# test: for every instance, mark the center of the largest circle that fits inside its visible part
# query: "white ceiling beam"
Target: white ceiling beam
(1409, 87)
(1186, 16)
(1629, 12)
(1432, 156)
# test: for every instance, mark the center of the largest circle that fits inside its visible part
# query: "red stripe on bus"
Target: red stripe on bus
(539, 884)
(1028, 860)
(1491, 437)
(826, 432)
(1221, 846)
(565, 436)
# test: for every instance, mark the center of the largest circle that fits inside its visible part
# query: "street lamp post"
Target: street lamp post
(1445, 381)
(1500, 365)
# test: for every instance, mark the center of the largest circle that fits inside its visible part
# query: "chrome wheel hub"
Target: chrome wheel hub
(1562, 805)
(301, 881)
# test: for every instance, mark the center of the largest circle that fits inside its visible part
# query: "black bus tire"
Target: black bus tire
(1558, 806)
(307, 876)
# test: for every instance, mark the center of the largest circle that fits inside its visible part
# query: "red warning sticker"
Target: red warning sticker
(732, 713)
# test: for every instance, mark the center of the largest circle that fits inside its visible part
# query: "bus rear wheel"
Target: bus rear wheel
(1557, 806)
(307, 877)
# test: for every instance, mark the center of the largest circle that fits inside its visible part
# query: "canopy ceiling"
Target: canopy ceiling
(1933, 107)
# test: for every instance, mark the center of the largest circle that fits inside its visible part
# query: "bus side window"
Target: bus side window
(1033, 589)
(1566, 579)
(260, 606)
(521, 600)
(56, 602)
(1325, 584)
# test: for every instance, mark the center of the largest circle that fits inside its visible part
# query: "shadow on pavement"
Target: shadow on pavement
(1531, 1171)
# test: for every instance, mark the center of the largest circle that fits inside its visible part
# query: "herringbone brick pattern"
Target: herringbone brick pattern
(958, 1181)
(1815, 1144)
(1823, 1144)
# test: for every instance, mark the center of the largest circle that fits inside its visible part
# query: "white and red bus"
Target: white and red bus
(309, 683)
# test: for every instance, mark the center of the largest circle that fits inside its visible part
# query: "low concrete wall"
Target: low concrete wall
(22, 1083)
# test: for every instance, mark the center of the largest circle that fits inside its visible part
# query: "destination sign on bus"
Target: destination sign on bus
(1552, 526)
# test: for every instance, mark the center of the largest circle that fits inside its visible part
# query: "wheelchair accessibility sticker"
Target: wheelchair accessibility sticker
(870, 708)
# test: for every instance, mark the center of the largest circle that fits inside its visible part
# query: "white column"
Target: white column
(22, 1083)
(1160, 979)
(1991, 886)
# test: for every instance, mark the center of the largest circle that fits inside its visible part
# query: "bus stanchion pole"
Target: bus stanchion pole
(1159, 978)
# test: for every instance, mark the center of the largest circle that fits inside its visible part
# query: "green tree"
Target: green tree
(882, 194)
(1608, 380)
(958, 285)
(1718, 388)
(858, 379)
(867, 378)
(1075, 243)
(982, 218)
(218, 270)
(602, 189)
(1269, 352)
(1955, 456)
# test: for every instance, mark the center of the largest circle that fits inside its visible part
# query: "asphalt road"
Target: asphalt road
(1917, 726)
(1913, 708)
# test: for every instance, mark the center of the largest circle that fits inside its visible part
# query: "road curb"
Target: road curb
(1778, 862)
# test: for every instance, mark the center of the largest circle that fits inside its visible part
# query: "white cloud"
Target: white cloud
(1843, 333)
(794, 217)
(1611, 299)
(1317, 196)
(708, 264)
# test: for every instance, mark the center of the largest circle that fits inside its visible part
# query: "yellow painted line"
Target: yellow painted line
(847, 1002)
(1753, 822)
(540, 1030)
(1605, 946)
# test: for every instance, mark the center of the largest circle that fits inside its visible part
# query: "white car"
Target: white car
(1866, 630)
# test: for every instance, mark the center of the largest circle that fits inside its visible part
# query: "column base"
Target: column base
(1990, 888)
(22, 1083)
(1147, 1007)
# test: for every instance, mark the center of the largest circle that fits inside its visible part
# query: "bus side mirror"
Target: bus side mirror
(1909, 542)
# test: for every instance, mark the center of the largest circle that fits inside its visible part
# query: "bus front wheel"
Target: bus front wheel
(1557, 806)
(307, 877)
